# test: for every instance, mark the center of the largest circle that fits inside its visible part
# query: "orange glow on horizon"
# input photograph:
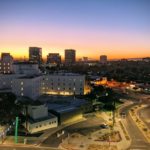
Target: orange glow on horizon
(21, 55)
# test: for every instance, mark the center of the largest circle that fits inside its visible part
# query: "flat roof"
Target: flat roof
(25, 63)
(65, 109)
(29, 77)
(66, 74)
(50, 116)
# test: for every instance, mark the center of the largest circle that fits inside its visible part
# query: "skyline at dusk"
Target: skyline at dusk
(118, 29)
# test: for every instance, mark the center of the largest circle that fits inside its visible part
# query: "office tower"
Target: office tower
(103, 59)
(35, 54)
(54, 58)
(70, 56)
(6, 63)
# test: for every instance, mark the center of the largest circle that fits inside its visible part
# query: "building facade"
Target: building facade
(29, 86)
(103, 59)
(26, 68)
(70, 56)
(63, 84)
(54, 58)
(6, 63)
(40, 119)
(6, 80)
(35, 54)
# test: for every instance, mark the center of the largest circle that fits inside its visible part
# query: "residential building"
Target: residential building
(35, 54)
(6, 63)
(54, 58)
(70, 56)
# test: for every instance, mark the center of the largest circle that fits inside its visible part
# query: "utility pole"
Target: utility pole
(16, 130)
(114, 104)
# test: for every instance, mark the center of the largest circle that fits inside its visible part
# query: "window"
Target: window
(22, 89)
(21, 83)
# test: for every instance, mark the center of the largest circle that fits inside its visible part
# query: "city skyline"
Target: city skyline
(118, 29)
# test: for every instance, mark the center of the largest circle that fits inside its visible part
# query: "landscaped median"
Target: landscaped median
(124, 131)
(140, 124)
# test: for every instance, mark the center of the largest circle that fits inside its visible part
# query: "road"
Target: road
(144, 115)
(25, 148)
(138, 140)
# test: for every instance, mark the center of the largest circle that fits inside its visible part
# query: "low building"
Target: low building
(67, 108)
(39, 118)
(67, 114)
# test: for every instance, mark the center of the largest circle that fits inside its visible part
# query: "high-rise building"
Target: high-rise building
(103, 59)
(70, 56)
(6, 63)
(35, 54)
(54, 58)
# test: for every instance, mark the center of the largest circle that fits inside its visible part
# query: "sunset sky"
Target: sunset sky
(117, 28)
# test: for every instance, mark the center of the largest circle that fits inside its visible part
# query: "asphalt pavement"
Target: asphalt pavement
(138, 141)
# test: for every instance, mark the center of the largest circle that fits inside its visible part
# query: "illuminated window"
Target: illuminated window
(22, 89)
(22, 94)
(21, 83)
